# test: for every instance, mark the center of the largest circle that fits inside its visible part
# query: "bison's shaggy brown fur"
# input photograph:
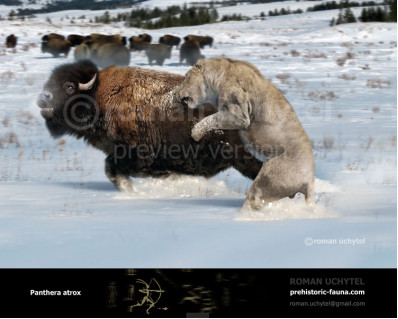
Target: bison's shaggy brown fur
(133, 110)
(11, 41)
(170, 40)
(56, 47)
(157, 52)
(52, 36)
(190, 51)
(203, 40)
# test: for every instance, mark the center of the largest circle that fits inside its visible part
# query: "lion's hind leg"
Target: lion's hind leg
(278, 178)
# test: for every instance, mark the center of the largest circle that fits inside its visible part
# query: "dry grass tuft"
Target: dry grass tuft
(9, 138)
(378, 83)
(347, 77)
(322, 96)
(343, 59)
(283, 77)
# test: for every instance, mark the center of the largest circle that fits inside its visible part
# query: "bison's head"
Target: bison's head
(67, 101)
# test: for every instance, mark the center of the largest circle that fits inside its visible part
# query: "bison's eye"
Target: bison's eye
(70, 87)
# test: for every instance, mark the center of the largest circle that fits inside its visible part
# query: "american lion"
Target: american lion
(267, 124)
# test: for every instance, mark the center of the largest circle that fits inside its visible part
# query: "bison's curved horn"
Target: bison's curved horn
(87, 86)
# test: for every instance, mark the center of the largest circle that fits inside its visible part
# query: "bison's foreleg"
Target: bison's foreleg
(233, 117)
(118, 174)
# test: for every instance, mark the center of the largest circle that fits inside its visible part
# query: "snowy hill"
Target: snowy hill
(57, 209)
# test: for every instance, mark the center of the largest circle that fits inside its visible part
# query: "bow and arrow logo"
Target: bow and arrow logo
(152, 294)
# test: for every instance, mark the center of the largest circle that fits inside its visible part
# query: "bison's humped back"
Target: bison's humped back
(141, 98)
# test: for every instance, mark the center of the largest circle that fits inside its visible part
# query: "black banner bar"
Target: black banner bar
(198, 293)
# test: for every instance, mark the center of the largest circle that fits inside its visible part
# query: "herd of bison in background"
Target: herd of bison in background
(107, 50)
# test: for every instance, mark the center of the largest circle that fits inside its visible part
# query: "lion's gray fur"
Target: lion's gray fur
(267, 124)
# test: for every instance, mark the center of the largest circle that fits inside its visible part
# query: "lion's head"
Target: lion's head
(195, 89)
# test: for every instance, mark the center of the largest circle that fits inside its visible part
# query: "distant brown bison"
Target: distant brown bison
(190, 51)
(104, 50)
(82, 51)
(75, 39)
(157, 52)
(111, 54)
(56, 47)
(11, 41)
(170, 40)
(146, 37)
(103, 38)
(131, 114)
(52, 36)
(203, 40)
(137, 43)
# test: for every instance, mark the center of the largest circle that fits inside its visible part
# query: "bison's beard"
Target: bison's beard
(56, 129)
(47, 113)
(74, 120)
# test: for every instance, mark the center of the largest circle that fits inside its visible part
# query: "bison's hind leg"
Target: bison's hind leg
(118, 175)
(160, 62)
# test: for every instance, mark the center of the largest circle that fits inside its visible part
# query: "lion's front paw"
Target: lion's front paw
(197, 133)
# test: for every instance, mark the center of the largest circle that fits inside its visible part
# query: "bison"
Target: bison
(111, 54)
(104, 50)
(95, 41)
(137, 43)
(75, 39)
(103, 38)
(190, 51)
(145, 37)
(157, 52)
(170, 40)
(11, 41)
(56, 47)
(203, 40)
(82, 51)
(52, 36)
(132, 115)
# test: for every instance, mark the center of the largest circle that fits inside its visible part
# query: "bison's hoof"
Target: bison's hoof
(126, 186)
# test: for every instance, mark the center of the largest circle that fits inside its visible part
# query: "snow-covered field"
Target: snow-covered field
(57, 209)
